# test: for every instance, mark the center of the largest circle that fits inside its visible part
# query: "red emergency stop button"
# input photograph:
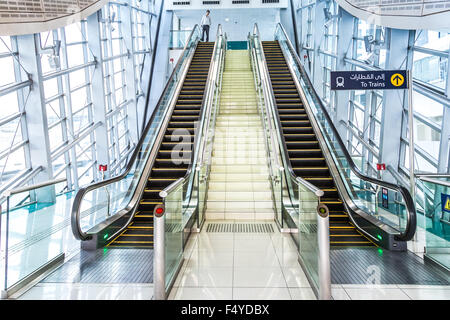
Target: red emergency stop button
(159, 210)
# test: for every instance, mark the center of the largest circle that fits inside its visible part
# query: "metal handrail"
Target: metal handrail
(259, 88)
(287, 164)
(217, 85)
(195, 155)
(435, 181)
(411, 223)
(9, 193)
(75, 215)
(159, 265)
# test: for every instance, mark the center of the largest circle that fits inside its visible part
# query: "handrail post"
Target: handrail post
(323, 238)
(159, 257)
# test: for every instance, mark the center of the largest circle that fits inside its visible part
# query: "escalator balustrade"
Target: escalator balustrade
(179, 133)
(305, 154)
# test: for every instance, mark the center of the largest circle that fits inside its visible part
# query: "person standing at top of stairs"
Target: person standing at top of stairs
(206, 24)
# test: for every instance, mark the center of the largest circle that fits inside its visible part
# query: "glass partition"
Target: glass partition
(436, 209)
(188, 194)
(307, 232)
(173, 226)
(386, 204)
(204, 141)
(179, 38)
(32, 228)
(291, 194)
(115, 196)
(271, 142)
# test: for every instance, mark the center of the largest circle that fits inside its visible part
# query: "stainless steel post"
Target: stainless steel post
(411, 135)
(159, 258)
(323, 238)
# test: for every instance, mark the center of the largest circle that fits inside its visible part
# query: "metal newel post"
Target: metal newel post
(323, 237)
(411, 135)
(5, 293)
(159, 259)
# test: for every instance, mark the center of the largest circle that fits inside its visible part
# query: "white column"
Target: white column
(393, 101)
(98, 89)
(36, 114)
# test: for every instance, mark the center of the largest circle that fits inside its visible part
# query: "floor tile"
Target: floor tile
(302, 294)
(258, 277)
(428, 293)
(295, 277)
(187, 293)
(52, 291)
(261, 258)
(206, 277)
(136, 292)
(376, 294)
(261, 294)
(339, 294)
(213, 258)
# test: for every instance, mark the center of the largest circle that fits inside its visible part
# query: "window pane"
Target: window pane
(8, 104)
(12, 164)
(10, 134)
(430, 69)
(427, 138)
(428, 108)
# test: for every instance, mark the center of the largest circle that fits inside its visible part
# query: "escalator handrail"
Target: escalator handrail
(410, 229)
(76, 206)
(299, 180)
(194, 157)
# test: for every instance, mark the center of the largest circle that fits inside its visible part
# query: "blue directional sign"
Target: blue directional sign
(369, 80)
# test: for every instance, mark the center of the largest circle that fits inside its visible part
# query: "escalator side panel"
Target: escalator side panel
(179, 133)
(305, 154)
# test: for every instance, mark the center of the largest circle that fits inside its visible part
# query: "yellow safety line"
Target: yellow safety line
(116, 237)
(336, 227)
(134, 227)
(134, 242)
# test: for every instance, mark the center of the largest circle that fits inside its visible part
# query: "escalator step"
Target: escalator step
(166, 170)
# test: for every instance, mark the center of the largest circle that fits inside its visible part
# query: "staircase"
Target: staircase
(239, 186)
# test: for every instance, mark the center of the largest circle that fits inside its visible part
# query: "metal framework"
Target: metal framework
(375, 123)
(57, 125)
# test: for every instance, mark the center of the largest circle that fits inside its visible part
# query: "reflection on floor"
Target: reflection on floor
(264, 266)
(89, 291)
(106, 274)
(241, 266)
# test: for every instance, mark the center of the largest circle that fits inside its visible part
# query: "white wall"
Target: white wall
(237, 23)
(224, 4)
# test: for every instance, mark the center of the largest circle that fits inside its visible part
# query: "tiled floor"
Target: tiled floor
(265, 267)
(90, 291)
(241, 266)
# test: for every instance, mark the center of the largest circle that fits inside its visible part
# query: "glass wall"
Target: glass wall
(333, 39)
(66, 72)
(14, 143)
(430, 52)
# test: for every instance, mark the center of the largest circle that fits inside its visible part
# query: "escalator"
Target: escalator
(118, 212)
(179, 134)
(305, 154)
